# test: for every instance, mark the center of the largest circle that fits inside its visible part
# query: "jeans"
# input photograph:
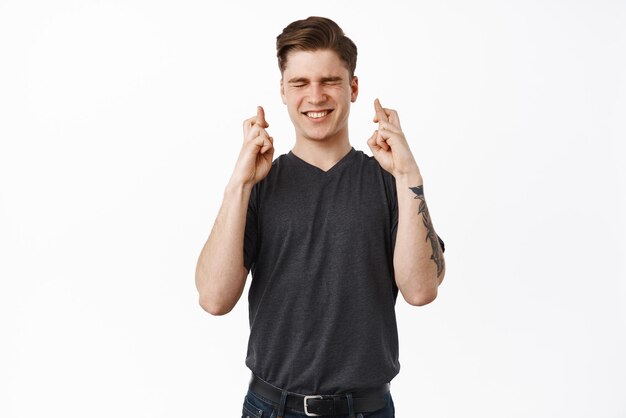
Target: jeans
(255, 406)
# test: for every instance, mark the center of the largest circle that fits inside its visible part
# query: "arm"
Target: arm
(220, 270)
(418, 260)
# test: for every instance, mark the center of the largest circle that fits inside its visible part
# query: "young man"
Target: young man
(330, 235)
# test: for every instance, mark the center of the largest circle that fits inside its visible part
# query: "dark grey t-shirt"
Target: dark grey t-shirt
(321, 302)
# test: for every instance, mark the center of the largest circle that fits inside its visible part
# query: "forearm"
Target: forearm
(220, 271)
(419, 264)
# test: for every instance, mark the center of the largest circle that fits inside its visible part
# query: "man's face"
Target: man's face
(317, 89)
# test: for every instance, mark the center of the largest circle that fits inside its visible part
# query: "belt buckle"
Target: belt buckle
(306, 407)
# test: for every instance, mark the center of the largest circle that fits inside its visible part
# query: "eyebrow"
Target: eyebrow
(306, 80)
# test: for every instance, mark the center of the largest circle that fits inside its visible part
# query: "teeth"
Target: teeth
(316, 115)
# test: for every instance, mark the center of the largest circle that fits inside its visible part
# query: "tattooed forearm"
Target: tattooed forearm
(437, 256)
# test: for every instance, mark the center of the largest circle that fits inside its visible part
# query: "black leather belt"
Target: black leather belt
(364, 400)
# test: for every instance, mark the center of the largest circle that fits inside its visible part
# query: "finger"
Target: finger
(253, 132)
(258, 120)
(371, 142)
(380, 112)
(389, 127)
(394, 119)
(375, 144)
(268, 144)
(256, 144)
(260, 116)
(381, 140)
(248, 123)
(269, 155)
(249, 126)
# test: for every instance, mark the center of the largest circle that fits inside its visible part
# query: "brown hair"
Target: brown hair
(312, 34)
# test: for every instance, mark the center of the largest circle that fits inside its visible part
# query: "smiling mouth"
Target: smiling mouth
(317, 115)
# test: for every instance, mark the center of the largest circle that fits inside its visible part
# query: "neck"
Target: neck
(322, 154)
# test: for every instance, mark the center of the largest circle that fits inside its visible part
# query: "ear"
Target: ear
(354, 88)
(282, 91)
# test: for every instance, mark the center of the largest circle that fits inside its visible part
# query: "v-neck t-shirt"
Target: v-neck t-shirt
(319, 245)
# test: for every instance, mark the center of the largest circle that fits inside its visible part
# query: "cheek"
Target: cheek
(292, 109)
(293, 102)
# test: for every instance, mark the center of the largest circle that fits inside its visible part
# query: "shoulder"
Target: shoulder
(371, 165)
(370, 172)
(280, 161)
(369, 161)
(279, 164)
(281, 167)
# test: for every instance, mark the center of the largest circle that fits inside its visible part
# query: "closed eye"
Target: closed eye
(332, 81)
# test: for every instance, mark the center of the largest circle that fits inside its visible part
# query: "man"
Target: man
(329, 234)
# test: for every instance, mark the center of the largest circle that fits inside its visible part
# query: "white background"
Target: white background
(120, 122)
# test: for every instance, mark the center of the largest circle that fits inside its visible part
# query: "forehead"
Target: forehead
(314, 64)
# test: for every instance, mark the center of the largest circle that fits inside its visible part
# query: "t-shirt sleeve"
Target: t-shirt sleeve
(392, 201)
(250, 240)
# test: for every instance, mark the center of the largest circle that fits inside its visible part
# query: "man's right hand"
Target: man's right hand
(257, 152)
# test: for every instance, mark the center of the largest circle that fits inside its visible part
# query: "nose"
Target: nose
(316, 94)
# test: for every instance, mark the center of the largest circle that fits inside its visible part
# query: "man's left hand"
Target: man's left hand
(388, 144)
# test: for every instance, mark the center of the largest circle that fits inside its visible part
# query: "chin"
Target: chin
(317, 138)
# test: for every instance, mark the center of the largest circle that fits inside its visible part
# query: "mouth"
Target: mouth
(317, 114)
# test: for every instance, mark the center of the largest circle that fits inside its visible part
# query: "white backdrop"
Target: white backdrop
(120, 122)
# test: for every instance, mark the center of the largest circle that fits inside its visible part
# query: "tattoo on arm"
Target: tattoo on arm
(437, 256)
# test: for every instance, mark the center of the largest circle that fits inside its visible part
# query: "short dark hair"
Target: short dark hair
(312, 34)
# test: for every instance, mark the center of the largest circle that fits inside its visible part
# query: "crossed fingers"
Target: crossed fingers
(387, 118)
(388, 125)
(255, 124)
(254, 131)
